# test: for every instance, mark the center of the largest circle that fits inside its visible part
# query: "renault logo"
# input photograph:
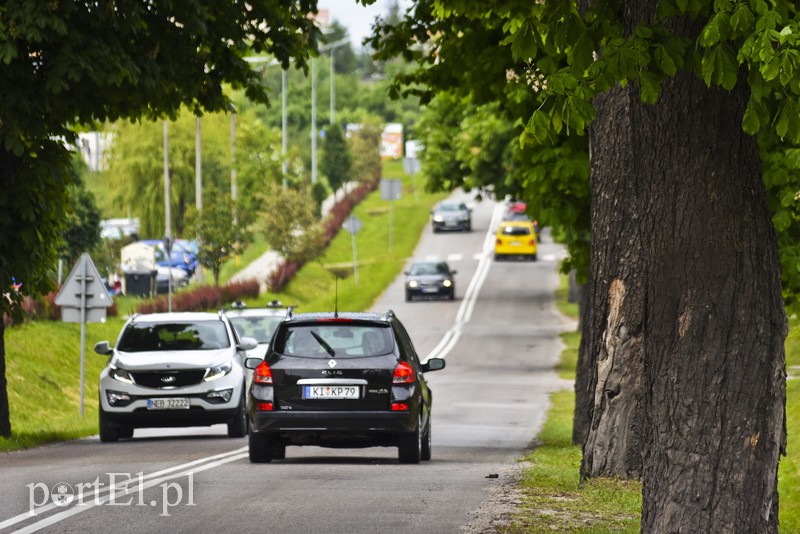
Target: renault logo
(168, 379)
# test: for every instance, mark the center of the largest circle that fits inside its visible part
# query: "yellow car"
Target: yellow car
(515, 238)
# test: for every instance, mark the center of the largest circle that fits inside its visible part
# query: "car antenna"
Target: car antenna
(336, 302)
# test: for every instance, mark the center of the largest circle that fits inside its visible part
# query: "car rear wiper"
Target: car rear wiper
(324, 345)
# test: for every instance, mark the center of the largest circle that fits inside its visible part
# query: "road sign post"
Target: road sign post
(353, 225)
(391, 189)
(83, 299)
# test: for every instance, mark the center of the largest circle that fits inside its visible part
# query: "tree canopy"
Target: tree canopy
(74, 63)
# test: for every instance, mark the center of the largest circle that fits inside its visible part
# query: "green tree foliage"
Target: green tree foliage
(336, 163)
(290, 224)
(83, 224)
(219, 238)
(364, 144)
(83, 62)
(137, 173)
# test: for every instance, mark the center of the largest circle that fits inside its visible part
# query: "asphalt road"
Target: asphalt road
(500, 339)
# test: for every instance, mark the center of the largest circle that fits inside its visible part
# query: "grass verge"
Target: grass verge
(43, 358)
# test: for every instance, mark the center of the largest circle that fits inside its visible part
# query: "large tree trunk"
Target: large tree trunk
(614, 349)
(5, 421)
(714, 319)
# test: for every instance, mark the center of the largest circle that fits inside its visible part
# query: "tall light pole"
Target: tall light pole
(284, 139)
(233, 163)
(167, 219)
(270, 61)
(198, 166)
(313, 120)
(333, 97)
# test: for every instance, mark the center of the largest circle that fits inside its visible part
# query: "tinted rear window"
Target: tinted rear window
(516, 230)
(333, 340)
(194, 335)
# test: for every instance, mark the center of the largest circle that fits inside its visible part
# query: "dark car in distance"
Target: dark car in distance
(430, 279)
(341, 380)
(450, 215)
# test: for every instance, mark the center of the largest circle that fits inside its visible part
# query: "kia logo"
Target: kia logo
(169, 379)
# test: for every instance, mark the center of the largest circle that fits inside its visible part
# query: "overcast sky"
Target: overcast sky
(357, 18)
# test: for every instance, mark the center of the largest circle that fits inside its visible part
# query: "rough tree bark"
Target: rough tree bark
(5, 421)
(614, 350)
(714, 320)
(715, 324)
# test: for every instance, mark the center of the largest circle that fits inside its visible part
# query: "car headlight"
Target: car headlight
(447, 283)
(218, 371)
(413, 283)
(120, 374)
(438, 218)
(118, 399)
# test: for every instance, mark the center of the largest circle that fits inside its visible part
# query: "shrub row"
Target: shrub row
(201, 298)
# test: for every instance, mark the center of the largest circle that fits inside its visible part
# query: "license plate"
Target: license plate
(177, 403)
(430, 289)
(331, 392)
(515, 243)
(450, 223)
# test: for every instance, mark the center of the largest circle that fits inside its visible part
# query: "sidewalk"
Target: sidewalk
(260, 268)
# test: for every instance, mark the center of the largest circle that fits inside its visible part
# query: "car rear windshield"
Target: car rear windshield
(260, 328)
(193, 335)
(516, 230)
(334, 340)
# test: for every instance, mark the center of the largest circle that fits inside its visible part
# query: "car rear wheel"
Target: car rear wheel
(426, 443)
(108, 432)
(409, 298)
(409, 445)
(238, 427)
(533, 257)
(260, 448)
(278, 451)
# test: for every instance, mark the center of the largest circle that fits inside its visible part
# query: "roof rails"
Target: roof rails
(290, 312)
(238, 305)
(389, 315)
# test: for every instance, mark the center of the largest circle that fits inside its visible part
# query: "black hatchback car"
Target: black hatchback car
(340, 380)
(427, 279)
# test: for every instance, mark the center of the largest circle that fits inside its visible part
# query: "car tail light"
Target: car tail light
(264, 407)
(399, 407)
(262, 374)
(532, 242)
(403, 374)
(499, 241)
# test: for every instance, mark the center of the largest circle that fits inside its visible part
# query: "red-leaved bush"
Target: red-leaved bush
(201, 298)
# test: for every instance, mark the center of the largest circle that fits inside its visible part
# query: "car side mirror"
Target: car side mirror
(103, 348)
(252, 363)
(453, 272)
(434, 364)
(247, 343)
(405, 273)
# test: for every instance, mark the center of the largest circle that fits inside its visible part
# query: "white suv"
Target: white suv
(174, 369)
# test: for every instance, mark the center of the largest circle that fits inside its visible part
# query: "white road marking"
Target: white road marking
(464, 314)
(92, 499)
(455, 257)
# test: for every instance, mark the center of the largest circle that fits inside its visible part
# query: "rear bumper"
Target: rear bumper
(337, 422)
